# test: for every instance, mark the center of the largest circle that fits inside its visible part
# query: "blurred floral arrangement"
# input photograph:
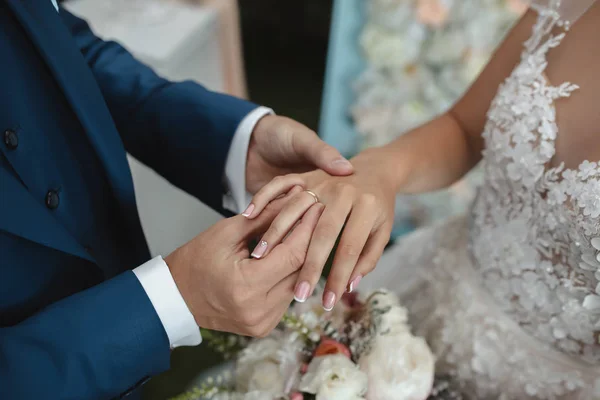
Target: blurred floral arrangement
(421, 56)
(363, 349)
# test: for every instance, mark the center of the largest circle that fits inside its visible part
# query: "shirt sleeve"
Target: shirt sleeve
(237, 197)
(174, 314)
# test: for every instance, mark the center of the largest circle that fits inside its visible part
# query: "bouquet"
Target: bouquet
(363, 349)
(421, 56)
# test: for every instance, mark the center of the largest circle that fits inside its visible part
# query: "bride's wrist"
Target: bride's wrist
(383, 166)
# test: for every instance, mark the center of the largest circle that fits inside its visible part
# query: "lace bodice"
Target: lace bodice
(535, 228)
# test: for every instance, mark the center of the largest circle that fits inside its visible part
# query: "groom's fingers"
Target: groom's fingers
(271, 191)
(288, 257)
(243, 229)
(285, 221)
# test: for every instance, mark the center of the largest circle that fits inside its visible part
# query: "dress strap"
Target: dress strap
(569, 11)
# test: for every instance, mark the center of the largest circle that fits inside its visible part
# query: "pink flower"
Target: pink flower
(432, 12)
(303, 368)
(330, 347)
(517, 6)
(296, 396)
(351, 300)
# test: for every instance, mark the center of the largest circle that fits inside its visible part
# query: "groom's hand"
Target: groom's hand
(279, 146)
(225, 289)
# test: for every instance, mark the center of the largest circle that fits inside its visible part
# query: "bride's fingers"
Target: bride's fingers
(285, 221)
(277, 187)
(368, 259)
(354, 237)
(323, 241)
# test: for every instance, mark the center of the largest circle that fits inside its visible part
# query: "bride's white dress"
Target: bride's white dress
(509, 295)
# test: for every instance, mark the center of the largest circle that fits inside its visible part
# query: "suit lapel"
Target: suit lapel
(59, 50)
(57, 47)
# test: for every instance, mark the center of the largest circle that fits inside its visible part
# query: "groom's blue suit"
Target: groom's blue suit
(75, 323)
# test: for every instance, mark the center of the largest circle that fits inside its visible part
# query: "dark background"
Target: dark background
(285, 48)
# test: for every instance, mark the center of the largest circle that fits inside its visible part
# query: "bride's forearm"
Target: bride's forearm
(440, 152)
(427, 158)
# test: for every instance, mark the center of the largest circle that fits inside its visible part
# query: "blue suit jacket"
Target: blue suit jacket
(66, 330)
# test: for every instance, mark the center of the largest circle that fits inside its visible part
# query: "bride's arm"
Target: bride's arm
(427, 158)
(442, 151)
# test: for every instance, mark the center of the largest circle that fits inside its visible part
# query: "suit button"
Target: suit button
(11, 140)
(52, 199)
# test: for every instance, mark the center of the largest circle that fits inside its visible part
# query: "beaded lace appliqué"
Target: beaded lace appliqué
(535, 229)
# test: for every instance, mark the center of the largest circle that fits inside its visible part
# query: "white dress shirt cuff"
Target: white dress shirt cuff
(176, 318)
(237, 198)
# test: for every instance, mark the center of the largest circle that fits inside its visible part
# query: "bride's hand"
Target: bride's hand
(362, 204)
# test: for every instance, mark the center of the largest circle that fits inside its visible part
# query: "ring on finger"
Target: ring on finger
(313, 195)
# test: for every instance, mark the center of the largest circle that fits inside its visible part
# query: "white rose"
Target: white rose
(334, 377)
(391, 14)
(474, 65)
(266, 376)
(269, 364)
(386, 49)
(446, 46)
(256, 395)
(394, 322)
(382, 299)
(398, 367)
(413, 114)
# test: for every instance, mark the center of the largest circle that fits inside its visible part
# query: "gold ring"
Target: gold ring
(313, 195)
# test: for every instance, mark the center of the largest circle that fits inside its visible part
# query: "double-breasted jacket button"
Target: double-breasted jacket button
(11, 139)
(52, 199)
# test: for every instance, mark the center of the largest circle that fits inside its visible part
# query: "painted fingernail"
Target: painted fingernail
(248, 211)
(302, 291)
(341, 162)
(328, 301)
(354, 283)
(260, 249)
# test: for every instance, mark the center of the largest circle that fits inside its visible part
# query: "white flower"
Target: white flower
(387, 49)
(446, 46)
(255, 395)
(398, 367)
(266, 376)
(269, 364)
(394, 322)
(257, 351)
(334, 377)
(382, 299)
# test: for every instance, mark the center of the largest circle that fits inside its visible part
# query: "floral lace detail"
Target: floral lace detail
(532, 225)
(508, 297)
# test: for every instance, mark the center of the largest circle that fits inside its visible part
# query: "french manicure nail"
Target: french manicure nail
(248, 211)
(354, 283)
(328, 301)
(260, 249)
(302, 291)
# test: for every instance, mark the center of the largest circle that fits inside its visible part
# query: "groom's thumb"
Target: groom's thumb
(322, 155)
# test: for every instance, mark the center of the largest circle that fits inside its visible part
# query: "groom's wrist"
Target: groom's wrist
(174, 314)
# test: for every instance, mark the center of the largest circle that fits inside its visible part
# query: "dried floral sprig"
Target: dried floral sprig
(293, 323)
(208, 389)
(226, 344)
